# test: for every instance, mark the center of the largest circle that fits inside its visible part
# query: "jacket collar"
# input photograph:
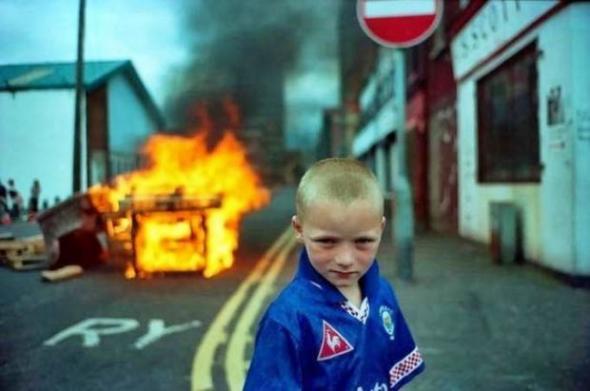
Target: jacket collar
(369, 282)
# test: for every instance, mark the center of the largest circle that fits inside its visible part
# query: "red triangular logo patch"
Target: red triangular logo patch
(333, 343)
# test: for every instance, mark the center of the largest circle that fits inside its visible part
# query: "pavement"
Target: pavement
(483, 326)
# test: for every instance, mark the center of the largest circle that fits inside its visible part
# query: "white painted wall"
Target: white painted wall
(558, 213)
(556, 219)
(129, 121)
(36, 141)
(579, 17)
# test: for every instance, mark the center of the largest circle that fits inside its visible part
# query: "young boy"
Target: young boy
(337, 325)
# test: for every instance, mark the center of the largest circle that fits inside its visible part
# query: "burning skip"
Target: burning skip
(183, 211)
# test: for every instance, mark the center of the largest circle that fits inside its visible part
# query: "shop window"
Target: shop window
(508, 132)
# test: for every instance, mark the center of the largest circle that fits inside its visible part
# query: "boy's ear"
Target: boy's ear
(296, 224)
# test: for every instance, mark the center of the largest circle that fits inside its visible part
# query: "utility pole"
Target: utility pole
(77, 177)
(403, 227)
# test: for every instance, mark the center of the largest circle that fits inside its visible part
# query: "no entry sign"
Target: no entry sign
(399, 23)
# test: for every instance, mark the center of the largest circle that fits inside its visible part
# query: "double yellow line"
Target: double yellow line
(264, 274)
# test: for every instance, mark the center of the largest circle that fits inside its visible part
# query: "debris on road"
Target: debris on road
(26, 253)
(63, 273)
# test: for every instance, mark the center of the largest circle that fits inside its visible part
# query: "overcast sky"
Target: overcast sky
(145, 31)
(150, 33)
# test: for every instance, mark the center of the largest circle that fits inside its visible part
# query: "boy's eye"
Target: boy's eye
(364, 241)
(325, 241)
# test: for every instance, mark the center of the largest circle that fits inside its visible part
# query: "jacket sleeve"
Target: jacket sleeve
(276, 361)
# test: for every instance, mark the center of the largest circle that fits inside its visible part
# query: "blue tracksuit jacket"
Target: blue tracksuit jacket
(311, 338)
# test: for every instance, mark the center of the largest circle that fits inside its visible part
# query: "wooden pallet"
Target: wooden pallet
(23, 253)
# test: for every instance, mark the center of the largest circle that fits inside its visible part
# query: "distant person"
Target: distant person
(3, 191)
(16, 203)
(78, 250)
(11, 185)
(337, 325)
(34, 199)
(4, 210)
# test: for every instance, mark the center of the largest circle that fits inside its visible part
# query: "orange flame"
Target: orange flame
(183, 166)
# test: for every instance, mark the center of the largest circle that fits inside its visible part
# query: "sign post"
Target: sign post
(400, 24)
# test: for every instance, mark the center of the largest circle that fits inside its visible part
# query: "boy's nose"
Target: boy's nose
(344, 258)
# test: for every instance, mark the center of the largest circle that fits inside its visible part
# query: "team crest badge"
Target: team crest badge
(387, 319)
(333, 343)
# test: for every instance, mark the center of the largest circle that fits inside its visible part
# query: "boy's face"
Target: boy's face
(341, 239)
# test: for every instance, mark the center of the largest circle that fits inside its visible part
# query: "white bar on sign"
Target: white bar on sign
(393, 8)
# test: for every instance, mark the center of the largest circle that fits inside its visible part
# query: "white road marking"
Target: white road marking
(216, 334)
(91, 329)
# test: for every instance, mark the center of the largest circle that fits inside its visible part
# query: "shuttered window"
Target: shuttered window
(508, 133)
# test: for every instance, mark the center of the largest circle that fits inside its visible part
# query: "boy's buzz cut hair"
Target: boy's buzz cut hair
(337, 179)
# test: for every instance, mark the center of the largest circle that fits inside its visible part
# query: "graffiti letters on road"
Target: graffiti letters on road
(91, 330)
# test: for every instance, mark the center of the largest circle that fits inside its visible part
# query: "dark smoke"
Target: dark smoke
(246, 49)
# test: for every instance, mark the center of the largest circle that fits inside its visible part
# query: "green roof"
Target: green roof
(44, 76)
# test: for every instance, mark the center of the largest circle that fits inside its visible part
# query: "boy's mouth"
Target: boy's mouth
(343, 275)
